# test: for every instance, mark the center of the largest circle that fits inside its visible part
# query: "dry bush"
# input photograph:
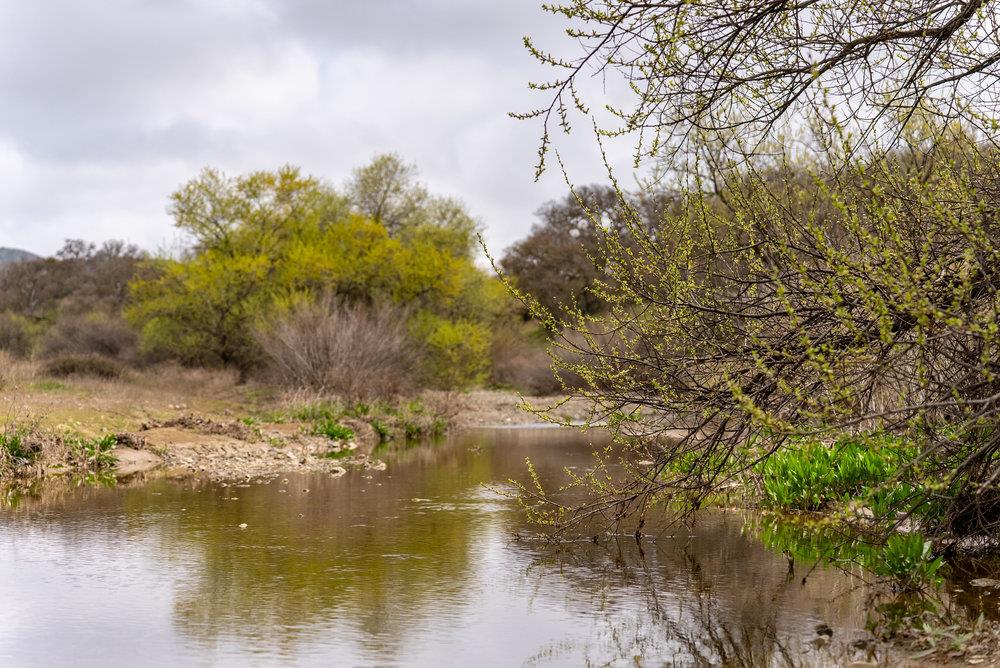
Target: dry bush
(357, 352)
(83, 365)
(6, 369)
(15, 335)
(519, 361)
(92, 334)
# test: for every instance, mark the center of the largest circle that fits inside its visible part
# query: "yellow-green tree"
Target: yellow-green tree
(264, 240)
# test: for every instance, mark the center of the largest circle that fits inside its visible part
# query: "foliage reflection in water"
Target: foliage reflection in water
(416, 565)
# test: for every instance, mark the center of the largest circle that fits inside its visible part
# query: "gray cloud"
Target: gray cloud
(107, 107)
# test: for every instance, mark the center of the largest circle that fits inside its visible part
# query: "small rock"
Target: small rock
(243, 526)
(824, 630)
(985, 582)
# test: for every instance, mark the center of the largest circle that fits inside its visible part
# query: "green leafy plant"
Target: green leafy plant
(807, 475)
(382, 430)
(16, 450)
(94, 454)
(333, 430)
(909, 559)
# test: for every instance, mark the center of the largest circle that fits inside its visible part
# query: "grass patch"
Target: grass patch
(16, 450)
(47, 385)
(410, 421)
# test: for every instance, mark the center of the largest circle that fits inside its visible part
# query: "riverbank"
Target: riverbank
(184, 423)
(200, 422)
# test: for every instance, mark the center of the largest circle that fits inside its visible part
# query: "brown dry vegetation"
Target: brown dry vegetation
(360, 353)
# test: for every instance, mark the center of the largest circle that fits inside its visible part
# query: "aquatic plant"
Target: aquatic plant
(381, 429)
(808, 474)
(908, 559)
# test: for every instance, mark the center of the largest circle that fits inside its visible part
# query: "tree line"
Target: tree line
(368, 289)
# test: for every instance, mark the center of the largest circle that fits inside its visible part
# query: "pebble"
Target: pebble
(985, 582)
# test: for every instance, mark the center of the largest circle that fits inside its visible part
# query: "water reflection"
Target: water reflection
(416, 565)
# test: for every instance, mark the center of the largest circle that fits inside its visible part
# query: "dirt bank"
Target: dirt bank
(232, 450)
(268, 451)
(197, 421)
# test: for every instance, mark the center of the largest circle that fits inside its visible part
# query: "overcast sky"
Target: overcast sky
(107, 107)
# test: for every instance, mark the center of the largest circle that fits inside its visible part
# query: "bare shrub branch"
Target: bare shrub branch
(356, 351)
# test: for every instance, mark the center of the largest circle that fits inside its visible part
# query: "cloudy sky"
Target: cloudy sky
(106, 107)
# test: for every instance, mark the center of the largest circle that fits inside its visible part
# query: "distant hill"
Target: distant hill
(10, 255)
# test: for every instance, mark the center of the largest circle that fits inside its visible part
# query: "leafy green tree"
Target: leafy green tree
(256, 213)
(267, 240)
(202, 309)
(387, 191)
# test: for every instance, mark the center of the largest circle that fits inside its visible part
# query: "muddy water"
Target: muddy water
(416, 565)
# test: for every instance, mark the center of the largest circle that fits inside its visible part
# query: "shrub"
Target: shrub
(15, 334)
(83, 365)
(355, 351)
(91, 334)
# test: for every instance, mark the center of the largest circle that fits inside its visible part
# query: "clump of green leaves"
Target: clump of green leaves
(94, 454)
(333, 430)
(809, 474)
(909, 559)
(16, 450)
(382, 430)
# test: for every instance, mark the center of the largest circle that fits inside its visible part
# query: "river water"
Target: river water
(417, 565)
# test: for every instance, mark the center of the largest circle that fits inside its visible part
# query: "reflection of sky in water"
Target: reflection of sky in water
(414, 566)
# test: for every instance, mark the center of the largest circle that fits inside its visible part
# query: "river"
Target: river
(421, 564)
